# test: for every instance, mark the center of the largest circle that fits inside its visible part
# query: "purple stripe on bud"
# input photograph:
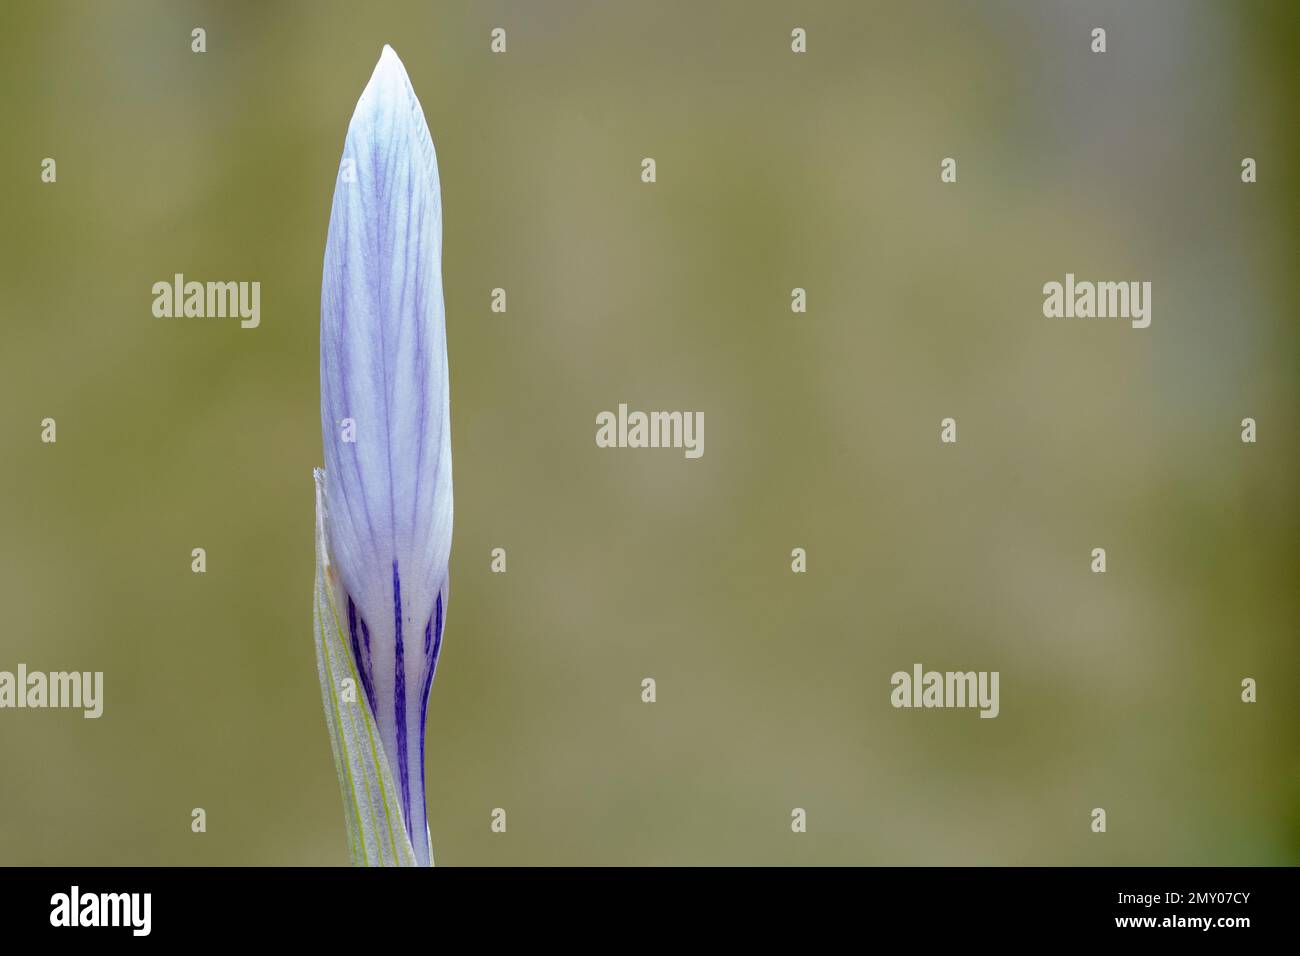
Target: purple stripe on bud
(399, 705)
(363, 662)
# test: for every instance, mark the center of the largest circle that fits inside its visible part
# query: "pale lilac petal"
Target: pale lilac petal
(384, 367)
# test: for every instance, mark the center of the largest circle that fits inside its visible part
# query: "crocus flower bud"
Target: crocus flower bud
(386, 509)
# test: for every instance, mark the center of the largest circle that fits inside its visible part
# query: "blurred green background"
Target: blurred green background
(775, 170)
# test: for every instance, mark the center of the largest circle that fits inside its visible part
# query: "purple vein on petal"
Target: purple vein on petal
(399, 704)
(432, 644)
(363, 662)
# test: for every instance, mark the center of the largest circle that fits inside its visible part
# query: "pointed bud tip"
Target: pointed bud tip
(388, 98)
(388, 88)
(389, 68)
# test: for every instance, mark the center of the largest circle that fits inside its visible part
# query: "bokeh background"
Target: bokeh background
(775, 170)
